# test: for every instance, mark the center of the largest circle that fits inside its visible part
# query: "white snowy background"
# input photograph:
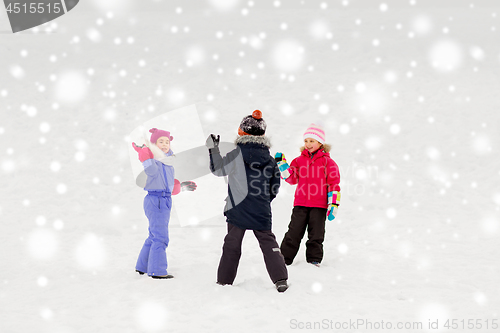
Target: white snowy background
(407, 91)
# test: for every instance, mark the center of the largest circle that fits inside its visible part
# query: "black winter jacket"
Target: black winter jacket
(253, 181)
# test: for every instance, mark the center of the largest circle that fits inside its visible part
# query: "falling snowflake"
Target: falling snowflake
(71, 88)
(90, 252)
(391, 213)
(481, 145)
(316, 287)
(480, 298)
(42, 281)
(47, 314)
(61, 188)
(445, 55)
(373, 143)
(395, 129)
(44, 127)
(435, 313)
(195, 56)
(342, 248)
(42, 244)
(17, 72)
(319, 29)
(344, 129)
(224, 5)
(151, 317)
(288, 55)
(490, 226)
(40, 220)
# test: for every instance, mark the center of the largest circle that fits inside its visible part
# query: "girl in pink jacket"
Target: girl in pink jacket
(317, 195)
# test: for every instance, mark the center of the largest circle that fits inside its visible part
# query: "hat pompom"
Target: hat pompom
(153, 130)
(257, 114)
(253, 124)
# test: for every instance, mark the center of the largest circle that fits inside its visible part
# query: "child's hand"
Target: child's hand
(279, 157)
(212, 141)
(282, 165)
(333, 204)
(184, 186)
(188, 186)
(144, 152)
(332, 211)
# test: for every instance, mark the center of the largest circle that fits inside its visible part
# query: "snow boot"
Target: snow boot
(315, 263)
(281, 286)
(162, 276)
(224, 284)
(140, 273)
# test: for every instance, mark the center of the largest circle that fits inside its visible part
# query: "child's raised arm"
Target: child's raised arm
(221, 166)
(146, 157)
(287, 171)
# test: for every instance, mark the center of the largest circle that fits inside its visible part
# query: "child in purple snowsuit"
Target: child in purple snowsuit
(161, 185)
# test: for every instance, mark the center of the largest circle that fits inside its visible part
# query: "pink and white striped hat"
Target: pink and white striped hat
(315, 132)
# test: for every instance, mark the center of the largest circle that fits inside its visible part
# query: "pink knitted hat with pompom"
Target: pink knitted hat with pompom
(158, 134)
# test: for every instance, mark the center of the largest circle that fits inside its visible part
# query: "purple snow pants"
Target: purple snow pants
(153, 257)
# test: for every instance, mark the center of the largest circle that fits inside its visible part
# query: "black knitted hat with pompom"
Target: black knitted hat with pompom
(253, 125)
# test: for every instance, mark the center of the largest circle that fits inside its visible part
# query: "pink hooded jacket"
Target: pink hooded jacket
(315, 175)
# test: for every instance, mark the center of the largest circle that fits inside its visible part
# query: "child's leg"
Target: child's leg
(142, 261)
(296, 229)
(316, 234)
(158, 212)
(275, 263)
(231, 253)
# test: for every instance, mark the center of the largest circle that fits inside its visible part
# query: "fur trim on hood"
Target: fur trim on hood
(326, 147)
(158, 153)
(262, 140)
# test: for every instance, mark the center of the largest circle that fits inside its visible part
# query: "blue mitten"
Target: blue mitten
(282, 165)
(333, 204)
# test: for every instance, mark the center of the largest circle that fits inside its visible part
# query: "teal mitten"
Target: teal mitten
(282, 165)
(333, 204)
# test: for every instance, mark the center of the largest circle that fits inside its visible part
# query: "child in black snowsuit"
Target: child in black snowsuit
(253, 182)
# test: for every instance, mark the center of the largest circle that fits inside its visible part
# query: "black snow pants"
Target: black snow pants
(231, 253)
(312, 219)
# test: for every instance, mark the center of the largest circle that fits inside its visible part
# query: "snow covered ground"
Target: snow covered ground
(406, 90)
